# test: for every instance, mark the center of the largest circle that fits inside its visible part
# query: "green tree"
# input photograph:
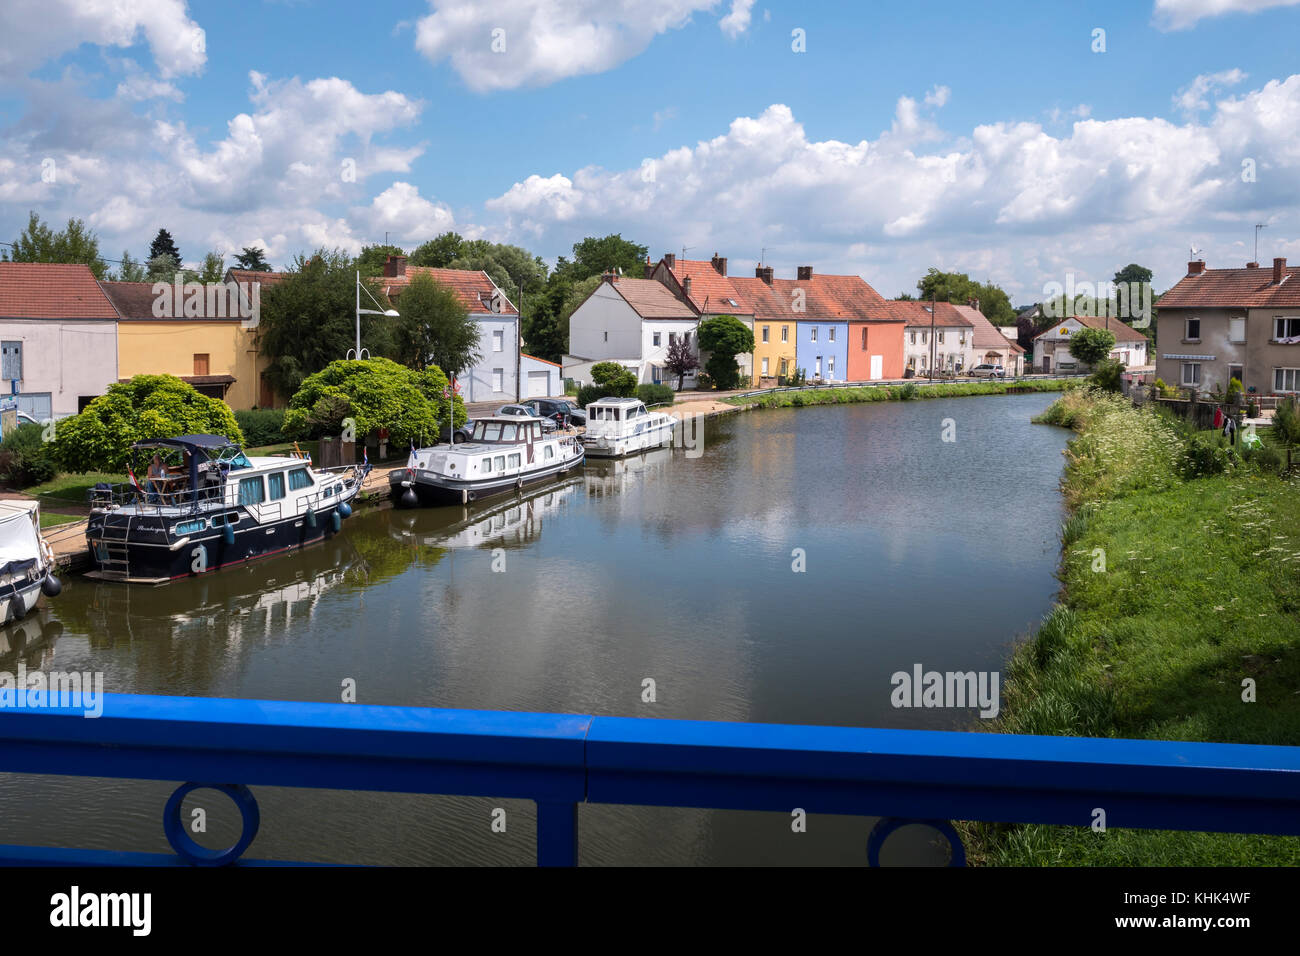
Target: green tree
(614, 379)
(435, 328)
(371, 261)
(1133, 273)
(213, 268)
(163, 245)
(253, 259)
(574, 295)
(958, 287)
(309, 320)
(73, 244)
(724, 337)
(592, 257)
(508, 266)
(161, 269)
(128, 270)
(1090, 346)
(377, 393)
(148, 406)
(439, 252)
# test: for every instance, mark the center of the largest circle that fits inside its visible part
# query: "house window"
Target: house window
(785, 333)
(784, 366)
(831, 333)
(498, 341)
(913, 338)
(1287, 329)
(201, 363)
(940, 336)
(1237, 329)
(1235, 371)
(864, 338)
(672, 338)
(498, 380)
(813, 334)
(1286, 379)
(765, 365)
(13, 361)
(1191, 373)
(606, 336)
(1192, 332)
(765, 333)
(656, 339)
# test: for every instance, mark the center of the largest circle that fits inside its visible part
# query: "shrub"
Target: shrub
(1106, 375)
(377, 393)
(614, 378)
(1286, 422)
(1208, 454)
(1264, 459)
(261, 426)
(590, 393)
(907, 392)
(704, 381)
(655, 394)
(25, 458)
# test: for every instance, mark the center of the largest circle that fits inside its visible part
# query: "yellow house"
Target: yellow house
(205, 336)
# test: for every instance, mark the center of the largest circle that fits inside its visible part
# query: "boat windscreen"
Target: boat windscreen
(233, 459)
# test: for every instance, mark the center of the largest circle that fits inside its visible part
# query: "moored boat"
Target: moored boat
(503, 454)
(206, 505)
(26, 562)
(623, 426)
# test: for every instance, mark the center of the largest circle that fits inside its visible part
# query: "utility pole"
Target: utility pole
(519, 343)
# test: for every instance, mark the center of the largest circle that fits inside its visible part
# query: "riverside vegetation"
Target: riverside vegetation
(896, 393)
(1181, 575)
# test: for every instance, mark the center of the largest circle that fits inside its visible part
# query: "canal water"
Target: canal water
(925, 531)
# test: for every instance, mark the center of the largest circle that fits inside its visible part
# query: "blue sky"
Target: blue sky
(989, 138)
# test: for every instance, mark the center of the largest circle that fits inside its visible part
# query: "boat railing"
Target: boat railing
(212, 496)
(562, 761)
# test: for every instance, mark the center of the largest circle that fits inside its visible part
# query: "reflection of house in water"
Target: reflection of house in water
(504, 524)
(612, 476)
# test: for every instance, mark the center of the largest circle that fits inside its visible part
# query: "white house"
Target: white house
(495, 376)
(631, 322)
(58, 337)
(947, 343)
(1052, 347)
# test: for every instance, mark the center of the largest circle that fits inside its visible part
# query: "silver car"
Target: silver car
(521, 411)
(988, 371)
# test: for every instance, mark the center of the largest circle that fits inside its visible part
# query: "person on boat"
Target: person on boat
(157, 472)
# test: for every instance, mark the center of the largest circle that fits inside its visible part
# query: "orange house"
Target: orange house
(876, 347)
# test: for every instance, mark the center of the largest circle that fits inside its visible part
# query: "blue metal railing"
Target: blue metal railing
(562, 760)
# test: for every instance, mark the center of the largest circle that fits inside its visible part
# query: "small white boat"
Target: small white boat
(502, 454)
(26, 562)
(623, 426)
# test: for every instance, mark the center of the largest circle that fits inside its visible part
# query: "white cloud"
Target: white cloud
(737, 21)
(403, 212)
(1183, 14)
(1192, 98)
(514, 43)
(938, 96)
(36, 31)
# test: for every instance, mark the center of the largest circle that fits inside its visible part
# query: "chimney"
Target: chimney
(610, 276)
(1196, 268)
(719, 264)
(686, 286)
(1252, 265)
(395, 266)
(1279, 270)
(974, 304)
(670, 260)
(764, 273)
(649, 268)
(805, 273)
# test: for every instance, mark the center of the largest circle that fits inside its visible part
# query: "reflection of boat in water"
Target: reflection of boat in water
(212, 508)
(612, 475)
(503, 454)
(26, 563)
(623, 426)
(503, 524)
(30, 641)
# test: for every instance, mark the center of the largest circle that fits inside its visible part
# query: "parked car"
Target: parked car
(986, 370)
(463, 433)
(25, 419)
(523, 411)
(553, 408)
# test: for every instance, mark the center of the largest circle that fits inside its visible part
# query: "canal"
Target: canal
(782, 576)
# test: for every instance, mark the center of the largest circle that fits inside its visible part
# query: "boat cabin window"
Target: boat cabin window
(550, 451)
(298, 479)
(251, 491)
(499, 462)
(606, 414)
(514, 461)
(510, 432)
(535, 430)
(487, 465)
(275, 485)
(487, 431)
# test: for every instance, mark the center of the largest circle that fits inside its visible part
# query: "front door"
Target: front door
(877, 367)
(1047, 363)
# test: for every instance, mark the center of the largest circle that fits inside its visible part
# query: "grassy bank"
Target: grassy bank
(896, 393)
(1177, 587)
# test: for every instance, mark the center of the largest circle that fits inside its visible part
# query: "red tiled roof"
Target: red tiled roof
(135, 300)
(709, 288)
(536, 359)
(847, 298)
(47, 290)
(1234, 288)
(251, 275)
(986, 334)
(916, 313)
(652, 299)
(474, 289)
(1122, 331)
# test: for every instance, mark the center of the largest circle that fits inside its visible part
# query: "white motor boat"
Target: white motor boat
(624, 426)
(26, 562)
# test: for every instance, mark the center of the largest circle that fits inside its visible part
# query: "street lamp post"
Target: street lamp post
(391, 313)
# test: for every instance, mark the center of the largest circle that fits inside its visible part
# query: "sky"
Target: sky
(1019, 142)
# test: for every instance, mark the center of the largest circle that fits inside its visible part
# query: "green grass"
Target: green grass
(284, 448)
(1175, 592)
(892, 393)
(53, 520)
(72, 488)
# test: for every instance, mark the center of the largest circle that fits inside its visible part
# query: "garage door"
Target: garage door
(38, 405)
(539, 384)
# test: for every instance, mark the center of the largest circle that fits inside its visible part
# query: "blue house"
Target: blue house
(821, 325)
